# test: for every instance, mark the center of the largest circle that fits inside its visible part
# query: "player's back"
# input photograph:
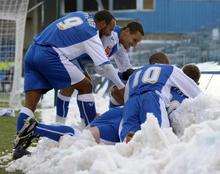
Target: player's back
(150, 78)
(71, 29)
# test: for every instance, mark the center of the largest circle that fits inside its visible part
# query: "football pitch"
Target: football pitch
(7, 135)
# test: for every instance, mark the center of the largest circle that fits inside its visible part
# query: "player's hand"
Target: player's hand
(118, 94)
(129, 137)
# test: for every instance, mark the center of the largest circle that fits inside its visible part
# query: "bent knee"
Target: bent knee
(84, 87)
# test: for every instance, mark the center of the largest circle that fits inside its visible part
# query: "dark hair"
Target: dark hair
(159, 58)
(134, 27)
(103, 15)
(192, 71)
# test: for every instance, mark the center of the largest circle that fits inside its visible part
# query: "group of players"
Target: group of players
(55, 60)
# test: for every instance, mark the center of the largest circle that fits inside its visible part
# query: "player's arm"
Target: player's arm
(126, 74)
(126, 93)
(96, 51)
(116, 97)
(122, 59)
(184, 83)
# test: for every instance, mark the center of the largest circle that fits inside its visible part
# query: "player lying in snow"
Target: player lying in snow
(102, 128)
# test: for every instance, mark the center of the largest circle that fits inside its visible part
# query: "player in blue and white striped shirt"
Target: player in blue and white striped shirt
(116, 47)
(149, 91)
(47, 61)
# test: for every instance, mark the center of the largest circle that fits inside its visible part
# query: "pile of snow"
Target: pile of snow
(209, 66)
(210, 83)
(152, 150)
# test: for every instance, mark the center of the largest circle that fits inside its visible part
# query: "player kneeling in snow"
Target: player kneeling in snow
(148, 90)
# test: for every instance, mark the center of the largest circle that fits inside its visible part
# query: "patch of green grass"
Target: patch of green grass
(7, 129)
(7, 135)
(2, 171)
(4, 100)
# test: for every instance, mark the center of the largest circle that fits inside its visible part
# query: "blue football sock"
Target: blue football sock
(62, 106)
(23, 115)
(53, 132)
(87, 108)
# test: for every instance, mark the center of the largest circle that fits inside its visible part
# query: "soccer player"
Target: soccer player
(148, 91)
(159, 58)
(103, 128)
(47, 61)
(116, 47)
(118, 44)
(193, 72)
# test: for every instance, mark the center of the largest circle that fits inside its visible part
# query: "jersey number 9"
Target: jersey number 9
(69, 23)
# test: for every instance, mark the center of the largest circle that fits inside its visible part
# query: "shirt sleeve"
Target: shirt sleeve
(107, 70)
(126, 93)
(184, 83)
(122, 59)
(95, 50)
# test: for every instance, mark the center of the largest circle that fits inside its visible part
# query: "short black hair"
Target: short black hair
(103, 15)
(134, 27)
(192, 71)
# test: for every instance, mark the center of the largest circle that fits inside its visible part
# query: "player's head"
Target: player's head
(131, 34)
(192, 71)
(160, 58)
(105, 22)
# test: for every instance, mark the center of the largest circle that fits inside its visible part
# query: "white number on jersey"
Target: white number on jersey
(151, 75)
(69, 23)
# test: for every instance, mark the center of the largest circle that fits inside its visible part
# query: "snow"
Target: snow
(152, 150)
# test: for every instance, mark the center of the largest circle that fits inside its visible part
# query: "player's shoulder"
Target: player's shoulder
(157, 65)
(117, 29)
(80, 14)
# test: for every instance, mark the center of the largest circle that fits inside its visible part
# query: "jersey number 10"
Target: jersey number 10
(151, 75)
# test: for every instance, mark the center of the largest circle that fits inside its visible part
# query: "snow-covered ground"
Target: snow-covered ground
(152, 150)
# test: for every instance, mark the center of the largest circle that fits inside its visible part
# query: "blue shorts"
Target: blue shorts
(108, 124)
(136, 110)
(45, 69)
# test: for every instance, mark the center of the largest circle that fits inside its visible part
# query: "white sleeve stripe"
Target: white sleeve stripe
(184, 83)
